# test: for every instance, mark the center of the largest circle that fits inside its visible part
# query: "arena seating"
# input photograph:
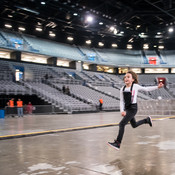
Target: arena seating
(5, 71)
(147, 79)
(172, 90)
(156, 107)
(57, 98)
(11, 88)
(162, 93)
(3, 42)
(120, 57)
(58, 50)
(22, 42)
(92, 96)
(97, 85)
(86, 87)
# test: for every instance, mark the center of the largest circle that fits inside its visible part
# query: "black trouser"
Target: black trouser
(130, 113)
(100, 106)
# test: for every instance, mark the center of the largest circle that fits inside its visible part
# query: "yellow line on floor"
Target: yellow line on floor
(163, 118)
(66, 130)
(55, 131)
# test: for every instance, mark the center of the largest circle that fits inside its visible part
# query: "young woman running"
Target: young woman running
(128, 105)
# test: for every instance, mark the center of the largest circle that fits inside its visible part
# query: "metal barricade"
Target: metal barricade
(156, 107)
(34, 109)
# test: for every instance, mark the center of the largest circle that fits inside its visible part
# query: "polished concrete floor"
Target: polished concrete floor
(144, 151)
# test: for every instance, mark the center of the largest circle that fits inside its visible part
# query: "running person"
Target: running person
(128, 105)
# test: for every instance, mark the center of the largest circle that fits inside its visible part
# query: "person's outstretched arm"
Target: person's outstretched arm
(150, 88)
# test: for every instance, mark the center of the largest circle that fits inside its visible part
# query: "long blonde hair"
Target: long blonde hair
(134, 76)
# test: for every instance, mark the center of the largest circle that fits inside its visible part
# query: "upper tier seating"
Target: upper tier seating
(23, 42)
(54, 49)
(121, 57)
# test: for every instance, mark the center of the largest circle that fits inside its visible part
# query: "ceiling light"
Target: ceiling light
(100, 44)
(131, 40)
(155, 46)
(89, 19)
(114, 45)
(112, 28)
(70, 38)
(138, 26)
(115, 31)
(75, 14)
(8, 25)
(52, 34)
(88, 42)
(161, 47)
(43, 3)
(10, 16)
(39, 29)
(158, 36)
(159, 33)
(145, 46)
(170, 29)
(21, 28)
(100, 23)
(143, 35)
(129, 46)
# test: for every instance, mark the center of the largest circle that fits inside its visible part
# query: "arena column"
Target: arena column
(16, 55)
(93, 67)
(52, 61)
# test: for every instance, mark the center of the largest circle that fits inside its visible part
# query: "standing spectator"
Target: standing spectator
(64, 89)
(11, 107)
(46, 76)
(20, 108)
(67, 90)
(101, 104)
(29, 108)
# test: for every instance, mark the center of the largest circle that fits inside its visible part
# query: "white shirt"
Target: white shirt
(135, 90)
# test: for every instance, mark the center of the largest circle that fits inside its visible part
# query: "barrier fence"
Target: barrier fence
(35, 109)
(145, 107)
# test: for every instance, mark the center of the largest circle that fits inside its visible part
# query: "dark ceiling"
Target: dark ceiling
(133, 17)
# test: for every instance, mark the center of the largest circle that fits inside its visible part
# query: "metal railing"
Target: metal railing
(156, 107)
(35, 109)
(48, 109)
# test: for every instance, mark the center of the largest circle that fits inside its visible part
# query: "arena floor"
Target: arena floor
(76, 145)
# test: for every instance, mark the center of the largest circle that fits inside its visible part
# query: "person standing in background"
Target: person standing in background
(20, 108)
(11, 109)
(29, 108)
(101, 104)
(67, 90)
(64, 89)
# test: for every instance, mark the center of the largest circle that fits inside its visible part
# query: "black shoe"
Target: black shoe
(115, 145)
(149, 121)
